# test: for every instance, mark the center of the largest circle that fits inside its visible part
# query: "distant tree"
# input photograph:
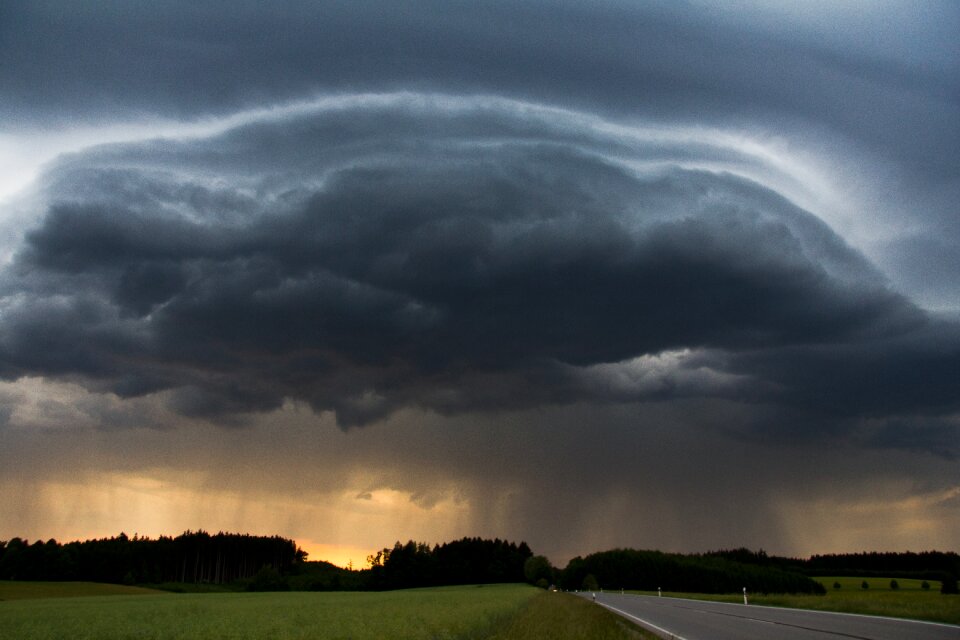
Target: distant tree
(894, 585)
(900, 564)
(925, 585)
(836, 585)
(864, 585)
(703, 573)
(410, 565)
(537, 568)
(949, 586)
(14, 563)
(590, 583)
(379, 559)
(268, 579)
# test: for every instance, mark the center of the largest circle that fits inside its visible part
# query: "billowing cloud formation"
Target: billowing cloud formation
(873, 83)
(606, 273)
(376, 252)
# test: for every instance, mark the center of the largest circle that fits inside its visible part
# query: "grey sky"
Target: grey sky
(671, 227)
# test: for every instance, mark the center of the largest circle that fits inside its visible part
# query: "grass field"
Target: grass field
(35, 590)
(562, 616)
(909, 601)
(503, 612)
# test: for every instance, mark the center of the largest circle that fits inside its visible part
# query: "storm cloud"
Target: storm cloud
(451, 255)
(682, 226)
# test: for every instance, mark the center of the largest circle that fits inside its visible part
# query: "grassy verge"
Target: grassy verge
(909, 601)
(561, 616)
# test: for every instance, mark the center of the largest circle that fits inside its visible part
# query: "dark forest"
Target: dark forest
(240, 561)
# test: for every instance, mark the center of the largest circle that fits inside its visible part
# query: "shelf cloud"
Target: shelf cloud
(381, 217)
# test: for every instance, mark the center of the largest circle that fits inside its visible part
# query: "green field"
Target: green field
(563, 616)
(35, 590)
(876, 584)
(909, 601)
(503, 612)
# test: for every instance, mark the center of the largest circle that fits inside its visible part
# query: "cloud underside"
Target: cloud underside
(461, 258)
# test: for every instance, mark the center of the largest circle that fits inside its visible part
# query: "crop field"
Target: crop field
(504, 612)
(33, 590)
(909, 601)
(855, 585)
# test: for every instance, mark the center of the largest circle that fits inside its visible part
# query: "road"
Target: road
(698, 620)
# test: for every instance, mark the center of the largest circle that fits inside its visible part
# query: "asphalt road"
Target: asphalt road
(697, 620)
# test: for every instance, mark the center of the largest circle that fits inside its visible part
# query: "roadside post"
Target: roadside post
(745, 595)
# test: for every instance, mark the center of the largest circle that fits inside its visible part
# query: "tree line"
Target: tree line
(259, 563)
(695, 573)
(192, 557)
(464, 561)
(731, 570)
(276, 563)
(926, 565)
(417, 564)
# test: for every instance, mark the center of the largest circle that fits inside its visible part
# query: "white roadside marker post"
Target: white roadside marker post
(744, 595)
(659, 592)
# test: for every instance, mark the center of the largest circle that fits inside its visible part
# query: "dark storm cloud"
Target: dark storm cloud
(882, 377)
(659, 274)
(377, 252)
(655, 57)
(939, 436)
(456, 256)
(884, 81)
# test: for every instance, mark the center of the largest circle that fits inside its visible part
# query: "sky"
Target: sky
(663, 275)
